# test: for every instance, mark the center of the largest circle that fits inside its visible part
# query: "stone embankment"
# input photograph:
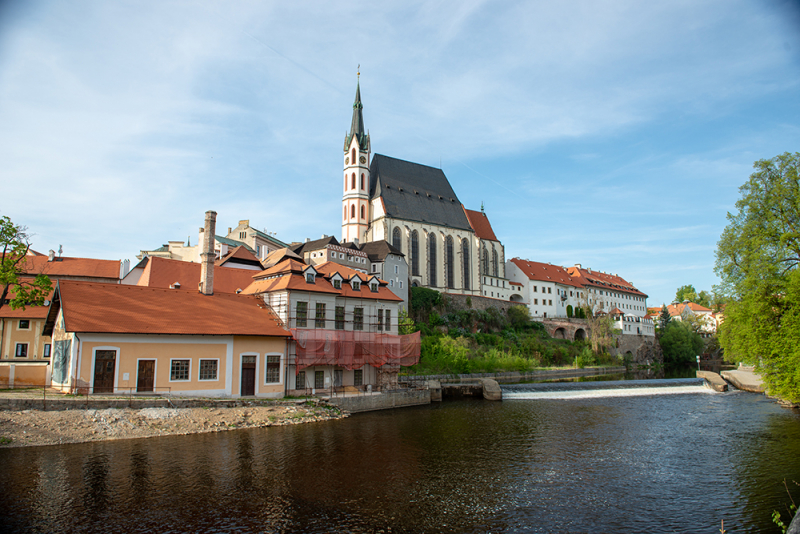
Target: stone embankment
(28, 427)
(713, 381)
(745, 379)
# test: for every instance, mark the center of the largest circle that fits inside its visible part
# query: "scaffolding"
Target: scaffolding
(353, 349)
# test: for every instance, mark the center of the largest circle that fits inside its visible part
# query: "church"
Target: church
(412, 206)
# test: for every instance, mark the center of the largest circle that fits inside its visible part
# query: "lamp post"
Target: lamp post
(698, 362)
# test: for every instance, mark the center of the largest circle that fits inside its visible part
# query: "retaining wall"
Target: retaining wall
(383, 401)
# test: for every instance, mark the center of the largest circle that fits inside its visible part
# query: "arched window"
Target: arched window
(414, 253)
(352, 211)
(465, 262)
(363, 212)
(432, 259)
(397, 240)
(362, 181)
(494, 262)
(448, 265)
(353, 185)
(485, 261)
(353, 157)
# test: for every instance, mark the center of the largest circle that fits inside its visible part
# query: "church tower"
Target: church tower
(355, 197)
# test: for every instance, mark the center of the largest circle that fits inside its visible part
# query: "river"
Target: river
(651, 462)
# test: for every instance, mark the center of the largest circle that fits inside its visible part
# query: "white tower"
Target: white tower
(355, 196)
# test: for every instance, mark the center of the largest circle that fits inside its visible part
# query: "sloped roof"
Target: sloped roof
(599, 280)
(415, 192)
(233, 243)
(91, 307)
(314, 245)
(163, 272)
(545, 272)
(30, 312)
(239, 255)
(77, 267)
(480, 223)
(276, 256)
(378, 250)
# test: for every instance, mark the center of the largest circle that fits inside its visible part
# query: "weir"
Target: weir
(613, 388)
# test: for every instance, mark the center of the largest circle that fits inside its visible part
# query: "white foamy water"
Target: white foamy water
(598, 393)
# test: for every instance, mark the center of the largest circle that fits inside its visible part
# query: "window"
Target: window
(465, 262)
(362, 181)
(24, 324)
(301, 315)
(310, 278)
(374, 288)
(549, 289)
(46, 350)
(432, 259)
(397, 239)
(391, 283)
(374, 267)
(179, 370)
(353, 210)
(380, 320)
(551, 303)
(337, 284)
(358, 319)
(387, 315)
(401, 284)
(396, 269)
(363, 212)
(353, 160)
(339, 318)
(494, 262)
(242, 235)
(208, 369)
(22, 350)
(319, 379)
(448, 259)
(485, 260)
(535, 289)
(300, 380)
(535, 301)
(356, 286)
(273, 369)
(319, 320)
(414, 253)
(358, 377)
(353, 182)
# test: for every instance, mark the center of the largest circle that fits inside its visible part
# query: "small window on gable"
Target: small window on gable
(356, 285)
(374, 287)
(337, 284)
(310, 278)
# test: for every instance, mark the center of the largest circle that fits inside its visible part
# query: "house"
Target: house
(260, 243)
(140, 339)
(548, 290)
(388, 263)
(706, 320)
(24, 351)
(344, 323)
(176, 274)
(632, 324)
(415, 209)
(605, 291)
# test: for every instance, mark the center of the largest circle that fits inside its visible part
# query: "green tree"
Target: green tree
(687, 292)
(405, 324)
(519, 316)
(704, 298)
(27, 290)
(569, 311)
(663, 320)
(757, 259)
(680, 344)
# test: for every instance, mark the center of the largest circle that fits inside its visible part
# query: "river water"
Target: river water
(652, 461)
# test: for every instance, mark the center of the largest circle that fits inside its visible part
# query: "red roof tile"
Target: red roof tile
(30, 312)
(164, 272)
(600, 280)
(480, 224)
(77, 267)
(124, 309)
(239, 253)
(545, 272)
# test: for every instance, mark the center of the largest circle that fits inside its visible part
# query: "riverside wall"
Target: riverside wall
(383, 401)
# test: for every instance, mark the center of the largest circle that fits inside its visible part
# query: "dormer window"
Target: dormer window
(310, 278)
(337, 284)
(356, 285)
(374, 288)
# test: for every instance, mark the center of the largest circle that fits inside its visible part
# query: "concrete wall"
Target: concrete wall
(383, 401)
(15, 374)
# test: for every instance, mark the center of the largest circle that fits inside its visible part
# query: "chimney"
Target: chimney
(52, 255)
(207, 254)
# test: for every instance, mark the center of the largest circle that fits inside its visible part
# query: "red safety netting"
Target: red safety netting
(353, 350)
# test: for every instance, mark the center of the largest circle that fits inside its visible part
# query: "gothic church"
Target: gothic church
(413, 207)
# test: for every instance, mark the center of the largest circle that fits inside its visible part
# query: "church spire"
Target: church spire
(357, 124)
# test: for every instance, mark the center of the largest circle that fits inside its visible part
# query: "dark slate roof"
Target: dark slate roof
(233, 243)
(415, 192)
(378, 250)
(314, 245)
(350, 245)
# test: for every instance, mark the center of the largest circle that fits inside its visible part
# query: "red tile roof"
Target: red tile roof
(163, 272)
(611, 282)
(124, 309)
(480, 224)
(239, 253)
(545, 272)
(77, 267)
(30, 312)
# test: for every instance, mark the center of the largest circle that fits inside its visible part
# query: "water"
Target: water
(650, 463)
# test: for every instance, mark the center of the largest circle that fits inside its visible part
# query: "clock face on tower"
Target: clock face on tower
(363, 159)
(347, 160)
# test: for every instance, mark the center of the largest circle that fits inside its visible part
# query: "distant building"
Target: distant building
(548, 290)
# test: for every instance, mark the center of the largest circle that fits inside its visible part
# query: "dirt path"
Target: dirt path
(36, 427)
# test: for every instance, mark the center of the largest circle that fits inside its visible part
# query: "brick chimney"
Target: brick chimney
(207, 254)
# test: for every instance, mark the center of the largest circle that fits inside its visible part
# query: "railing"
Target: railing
(82, 394)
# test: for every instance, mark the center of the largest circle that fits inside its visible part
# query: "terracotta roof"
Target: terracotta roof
(276, 256)
(239, 254)
(78, 267)
(677, 309)
(545, 272)
(697, 307)
(91, 307)
(30, 312)
(515, 284)
(163, 272)
(615, 311)
(611, 282)
(480, 224)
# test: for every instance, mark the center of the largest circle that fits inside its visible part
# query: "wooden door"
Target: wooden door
(248, 376)
(146, 376)
(104, 365)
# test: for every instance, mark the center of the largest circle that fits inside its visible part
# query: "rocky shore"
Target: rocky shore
(22, 428)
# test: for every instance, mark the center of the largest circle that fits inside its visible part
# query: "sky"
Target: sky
(614, 134)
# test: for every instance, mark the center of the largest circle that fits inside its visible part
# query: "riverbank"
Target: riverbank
(24, 428)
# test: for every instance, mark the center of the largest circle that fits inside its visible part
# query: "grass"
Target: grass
(5, 441)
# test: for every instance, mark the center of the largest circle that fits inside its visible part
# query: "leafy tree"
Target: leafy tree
(27, 290)
(405, 324)
(680, 344)
(757, 259)
(601, 326)
(519, 316)
(704, 299)
(569, 311)
(687, 292)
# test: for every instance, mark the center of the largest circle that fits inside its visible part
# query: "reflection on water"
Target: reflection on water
(656, 463)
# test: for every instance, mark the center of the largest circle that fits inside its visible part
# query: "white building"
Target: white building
(548, 290)
(606, 291)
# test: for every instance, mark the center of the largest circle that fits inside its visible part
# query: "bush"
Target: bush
(569, 311)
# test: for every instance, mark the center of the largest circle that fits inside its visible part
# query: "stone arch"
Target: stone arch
(560, 333)
(516, 298)
(580, 334)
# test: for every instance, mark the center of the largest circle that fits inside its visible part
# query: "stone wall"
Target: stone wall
(645, 350)
(383, 401)
(459, 302)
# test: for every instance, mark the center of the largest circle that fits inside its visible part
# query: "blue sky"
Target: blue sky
(611, 134)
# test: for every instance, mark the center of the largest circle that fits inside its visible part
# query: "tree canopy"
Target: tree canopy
(680, 344)
(16, 285)
(687, 292)
(757, 259)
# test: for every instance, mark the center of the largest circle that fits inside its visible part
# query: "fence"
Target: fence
(37, 396)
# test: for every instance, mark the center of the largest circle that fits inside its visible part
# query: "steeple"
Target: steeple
(357, 124)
